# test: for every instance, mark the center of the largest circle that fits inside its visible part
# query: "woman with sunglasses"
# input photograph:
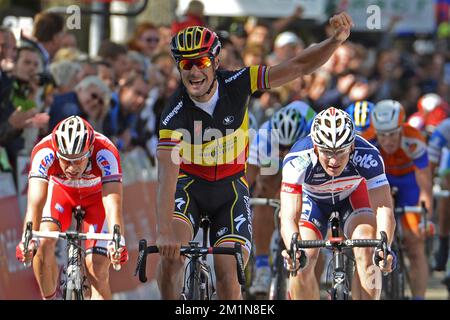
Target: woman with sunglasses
(203, 147)
(74, 165)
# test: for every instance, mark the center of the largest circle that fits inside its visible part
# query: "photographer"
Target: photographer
(22, 106)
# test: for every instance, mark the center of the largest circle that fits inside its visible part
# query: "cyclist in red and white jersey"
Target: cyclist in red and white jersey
(74, 165)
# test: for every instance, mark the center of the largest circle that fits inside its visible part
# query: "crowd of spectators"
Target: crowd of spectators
(123, 90)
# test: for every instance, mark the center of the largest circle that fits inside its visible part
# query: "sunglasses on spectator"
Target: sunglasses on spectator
(97, 97)
(151, 39)
(201, 63)
(334, 154)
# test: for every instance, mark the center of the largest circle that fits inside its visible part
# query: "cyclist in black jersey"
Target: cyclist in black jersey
(203, 147)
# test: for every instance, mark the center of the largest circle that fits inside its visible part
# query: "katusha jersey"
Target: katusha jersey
(303, 173)
(213, 147)
(104, 166)
(438, 140)
(262, 152)
(411, 154)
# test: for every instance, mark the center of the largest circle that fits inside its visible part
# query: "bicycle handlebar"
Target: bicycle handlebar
(191, 250)
(337, 242)
(265, 202)
(30, 234)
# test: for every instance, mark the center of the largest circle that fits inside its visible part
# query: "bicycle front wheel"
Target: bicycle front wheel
(73, 294)
(279, 284)
(194, 282)
(339, 292)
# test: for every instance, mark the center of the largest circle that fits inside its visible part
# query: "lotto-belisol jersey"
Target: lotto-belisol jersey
(302, 172)
(263, 149)
(104, 165)
(213, 148)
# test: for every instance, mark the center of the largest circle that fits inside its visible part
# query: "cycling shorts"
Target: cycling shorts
(58, 209)
(225, 203)
(407, 195)
(316, 215)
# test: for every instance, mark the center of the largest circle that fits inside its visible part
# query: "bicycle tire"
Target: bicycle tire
(73, 294)
(193, 282)
(279, 284)
(339, 292)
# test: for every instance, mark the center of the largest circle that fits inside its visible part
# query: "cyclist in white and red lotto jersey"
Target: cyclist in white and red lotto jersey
(72, 166)
(333, 169)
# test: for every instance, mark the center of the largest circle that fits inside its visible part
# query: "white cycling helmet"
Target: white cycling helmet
(72, 136)
(333, 129)
(387, 115)
(289, 125)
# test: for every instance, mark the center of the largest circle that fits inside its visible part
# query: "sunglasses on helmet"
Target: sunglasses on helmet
(201, 63)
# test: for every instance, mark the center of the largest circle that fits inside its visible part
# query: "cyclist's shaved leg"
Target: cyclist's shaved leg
(418, 270)
(263, 220)
(363, 226)
(169, 273)
(98, 274)
(227, 285)
(305, 285)
(45, 266)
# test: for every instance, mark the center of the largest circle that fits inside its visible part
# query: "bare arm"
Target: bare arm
(291, 205)
(165, 195)
(252, 173)
(381, 201)
(112, 201)
(313, 57)
(37, 196)
(425, 181)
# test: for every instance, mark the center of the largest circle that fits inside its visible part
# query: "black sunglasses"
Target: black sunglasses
(95, 96)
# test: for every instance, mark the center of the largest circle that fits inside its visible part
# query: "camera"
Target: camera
(45, 78)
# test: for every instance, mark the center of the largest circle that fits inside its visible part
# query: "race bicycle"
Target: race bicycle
(340, 285)
(198, 282)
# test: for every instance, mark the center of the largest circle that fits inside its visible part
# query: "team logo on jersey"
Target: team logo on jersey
(179, 202)
(228, 120)
(364, 161)
(239, 221)
(301, 162)
(104, 163)
(222, 231)
(46, 162)
(59, 208)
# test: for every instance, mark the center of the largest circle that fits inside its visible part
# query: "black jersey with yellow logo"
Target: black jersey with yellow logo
(213, 147)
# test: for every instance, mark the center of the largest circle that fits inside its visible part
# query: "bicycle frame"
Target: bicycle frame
(199, 270)
(75, 275)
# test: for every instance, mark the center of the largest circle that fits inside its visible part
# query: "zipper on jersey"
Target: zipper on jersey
(332, 190)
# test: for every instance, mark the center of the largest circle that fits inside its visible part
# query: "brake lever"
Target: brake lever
(384, 246)
(293, 253)
(27, 239)
(116, 239)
